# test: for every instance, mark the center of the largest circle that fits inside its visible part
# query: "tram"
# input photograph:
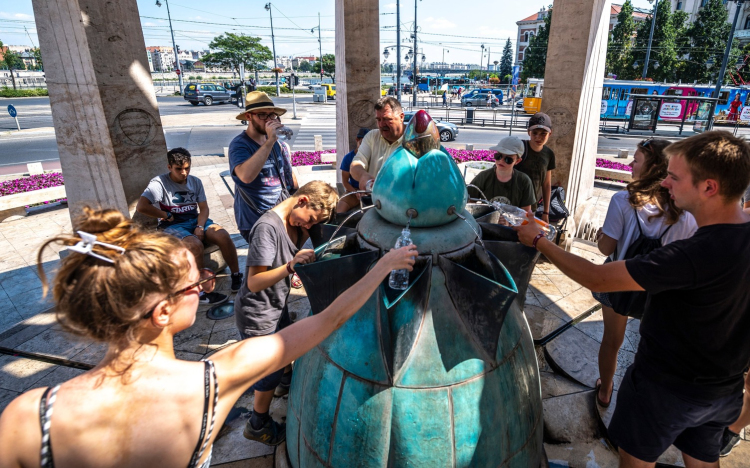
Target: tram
(617, 99)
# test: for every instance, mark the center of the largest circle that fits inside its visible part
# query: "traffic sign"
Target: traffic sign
(12, 111)
(178, 72)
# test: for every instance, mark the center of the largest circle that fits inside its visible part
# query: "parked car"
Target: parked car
(405, 89)
(479, 100)
(207, 93)
(330, 90)
(447, 130)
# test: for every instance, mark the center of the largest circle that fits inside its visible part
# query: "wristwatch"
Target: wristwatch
(196, 227)
(169, 217)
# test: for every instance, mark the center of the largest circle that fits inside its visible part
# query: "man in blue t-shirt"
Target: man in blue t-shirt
(261, 170)
(350, 184)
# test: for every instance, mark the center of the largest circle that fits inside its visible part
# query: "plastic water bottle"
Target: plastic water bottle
(284, 133)
(399, 279)
(516, 216)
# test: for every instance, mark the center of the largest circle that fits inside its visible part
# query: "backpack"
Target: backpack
(633, 303)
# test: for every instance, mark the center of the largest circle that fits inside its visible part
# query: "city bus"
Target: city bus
(617, 99)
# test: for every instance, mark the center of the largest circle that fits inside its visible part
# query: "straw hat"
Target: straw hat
(258, 100)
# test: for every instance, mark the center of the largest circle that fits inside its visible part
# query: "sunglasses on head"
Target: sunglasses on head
(206, 283)
(646, 142)
(507, 159)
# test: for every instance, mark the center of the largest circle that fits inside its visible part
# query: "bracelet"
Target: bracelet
(545, 213)
(289, 268)
(536, 239)
(196, 227)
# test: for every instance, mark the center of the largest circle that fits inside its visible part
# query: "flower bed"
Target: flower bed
(28, 184)
(607, 164)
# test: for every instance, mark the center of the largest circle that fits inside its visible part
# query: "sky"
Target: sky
(447, 28)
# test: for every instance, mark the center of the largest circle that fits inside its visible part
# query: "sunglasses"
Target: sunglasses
(507, 159)
(206, 283)
(646, 142)
(265, 115)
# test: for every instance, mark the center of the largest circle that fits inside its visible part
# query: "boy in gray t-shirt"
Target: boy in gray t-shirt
(178, 201)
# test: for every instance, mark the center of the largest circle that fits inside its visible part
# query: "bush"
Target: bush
(271, 90)
(10, 92)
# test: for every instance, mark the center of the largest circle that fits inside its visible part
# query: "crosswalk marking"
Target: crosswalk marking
(320, 121)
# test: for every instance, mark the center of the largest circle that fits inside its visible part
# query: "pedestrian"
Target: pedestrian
(350, 184)
(685, 384)
(134, 290)
(539, 160)
(445, 99)
(260, 308)
(645, 206)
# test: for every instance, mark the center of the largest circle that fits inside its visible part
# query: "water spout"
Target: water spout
(333, 236)
(484, 197)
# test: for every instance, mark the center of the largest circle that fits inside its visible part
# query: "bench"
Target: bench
(614, 174)
(14, 205)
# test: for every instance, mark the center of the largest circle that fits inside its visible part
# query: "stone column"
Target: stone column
(107, 122)
(357, 70)
(572, 91)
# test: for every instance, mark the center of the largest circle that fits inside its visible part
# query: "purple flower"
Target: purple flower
(28, 184)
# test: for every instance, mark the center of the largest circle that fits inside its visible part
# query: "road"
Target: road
(35, 113)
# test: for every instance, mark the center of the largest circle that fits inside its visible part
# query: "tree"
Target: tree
(12, 61)
(304, 66)
(329, 66)
(506, 63)
(620, 45)
(231, 50)
(663, 61)
(707, 39)
(535, 55)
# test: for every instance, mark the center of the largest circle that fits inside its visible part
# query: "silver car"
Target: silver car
(447, 130)
(479, 100)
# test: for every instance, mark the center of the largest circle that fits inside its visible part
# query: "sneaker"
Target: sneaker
(728, 441)
(272, 433)
(236, 281)
(213, 298)
(281, 390)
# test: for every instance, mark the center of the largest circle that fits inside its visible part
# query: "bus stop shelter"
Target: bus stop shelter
(648, 110)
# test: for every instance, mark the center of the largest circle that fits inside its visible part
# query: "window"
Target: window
(520, 57)
(638, 91)
(624, 94)
(724, 97)
(221, 88)
(747, 22)
(673, 92)
(747, 100)
(679, 6)
(605, 94)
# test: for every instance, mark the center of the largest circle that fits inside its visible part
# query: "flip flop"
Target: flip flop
(598, 400)
(296, 282)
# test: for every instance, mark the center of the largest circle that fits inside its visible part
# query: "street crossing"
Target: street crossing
(319, 120)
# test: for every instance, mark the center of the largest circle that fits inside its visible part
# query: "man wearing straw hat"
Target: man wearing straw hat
(260, 165)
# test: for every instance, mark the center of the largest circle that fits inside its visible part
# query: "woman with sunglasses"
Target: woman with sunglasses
(503, 183)
(141, 406)
(648, 205)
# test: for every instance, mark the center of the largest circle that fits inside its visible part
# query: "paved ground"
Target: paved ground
(35, 352)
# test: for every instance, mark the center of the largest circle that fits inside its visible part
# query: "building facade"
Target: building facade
(692, 7)
(162, 58)
(529, 26)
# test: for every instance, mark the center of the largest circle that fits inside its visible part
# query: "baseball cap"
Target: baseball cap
(362, 132)
(509, 145)
(540, 120)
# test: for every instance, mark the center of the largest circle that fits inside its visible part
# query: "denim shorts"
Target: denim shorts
(271, 381)
(649, 418)
(184, 229)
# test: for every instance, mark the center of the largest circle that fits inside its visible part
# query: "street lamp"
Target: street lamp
(481, 57)
(415, 85)
(174, 45)
(650, 38)
(273, 44)
(444, 51)
(386, 54)
(320, 48)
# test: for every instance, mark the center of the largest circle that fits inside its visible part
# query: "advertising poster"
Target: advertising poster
(645, 113)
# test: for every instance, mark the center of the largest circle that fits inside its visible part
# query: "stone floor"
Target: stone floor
(35, 352)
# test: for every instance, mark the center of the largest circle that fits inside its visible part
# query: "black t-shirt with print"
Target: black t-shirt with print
(535, 164)
(695, 333)
(518, 190)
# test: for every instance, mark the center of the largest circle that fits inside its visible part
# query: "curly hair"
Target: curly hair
(178, 156)
(106, 301)
(647, 188)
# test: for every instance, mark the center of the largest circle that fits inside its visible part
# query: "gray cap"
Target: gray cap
(509, 145)
(540, 120)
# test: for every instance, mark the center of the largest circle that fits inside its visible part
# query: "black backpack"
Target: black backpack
(633, 303)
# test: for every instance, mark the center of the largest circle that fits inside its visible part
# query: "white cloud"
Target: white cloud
(390, 6)
(16, 16)
(439, 23)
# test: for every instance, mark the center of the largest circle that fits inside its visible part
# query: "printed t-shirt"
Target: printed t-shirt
(620, 224)
(268, 245)
(518, 190)
(265, 189)
(694, 333)
(374, 151)
(179, 199)
(535, 164)
(346, 164)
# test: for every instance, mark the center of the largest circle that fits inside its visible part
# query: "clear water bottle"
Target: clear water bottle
(399, 279)
(284, 133)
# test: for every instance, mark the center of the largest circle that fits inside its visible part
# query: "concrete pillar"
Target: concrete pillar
(107, 123)
(357, 70)
(572, 91)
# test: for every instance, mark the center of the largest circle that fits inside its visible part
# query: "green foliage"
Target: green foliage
(235, 49)
(271, 90)
(12, 61)
(38, 57)
(535, 55)
(12, 93)
(304, 67)
(506, 63)
(329, 66)
(620, 45)
(707, 40)
(663, 61)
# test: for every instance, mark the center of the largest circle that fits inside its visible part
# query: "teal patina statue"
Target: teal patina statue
(443, 374)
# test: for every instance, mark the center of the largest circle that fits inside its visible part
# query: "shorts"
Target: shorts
(649, 418)
(271, 381)
(184, 229)
(603, 298)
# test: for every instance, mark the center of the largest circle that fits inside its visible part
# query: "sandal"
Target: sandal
(599, 400)
(296, 282)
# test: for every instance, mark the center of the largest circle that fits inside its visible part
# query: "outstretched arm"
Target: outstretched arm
(242, 364)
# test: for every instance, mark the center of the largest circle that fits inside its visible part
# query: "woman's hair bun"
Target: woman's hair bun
(100, 221)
